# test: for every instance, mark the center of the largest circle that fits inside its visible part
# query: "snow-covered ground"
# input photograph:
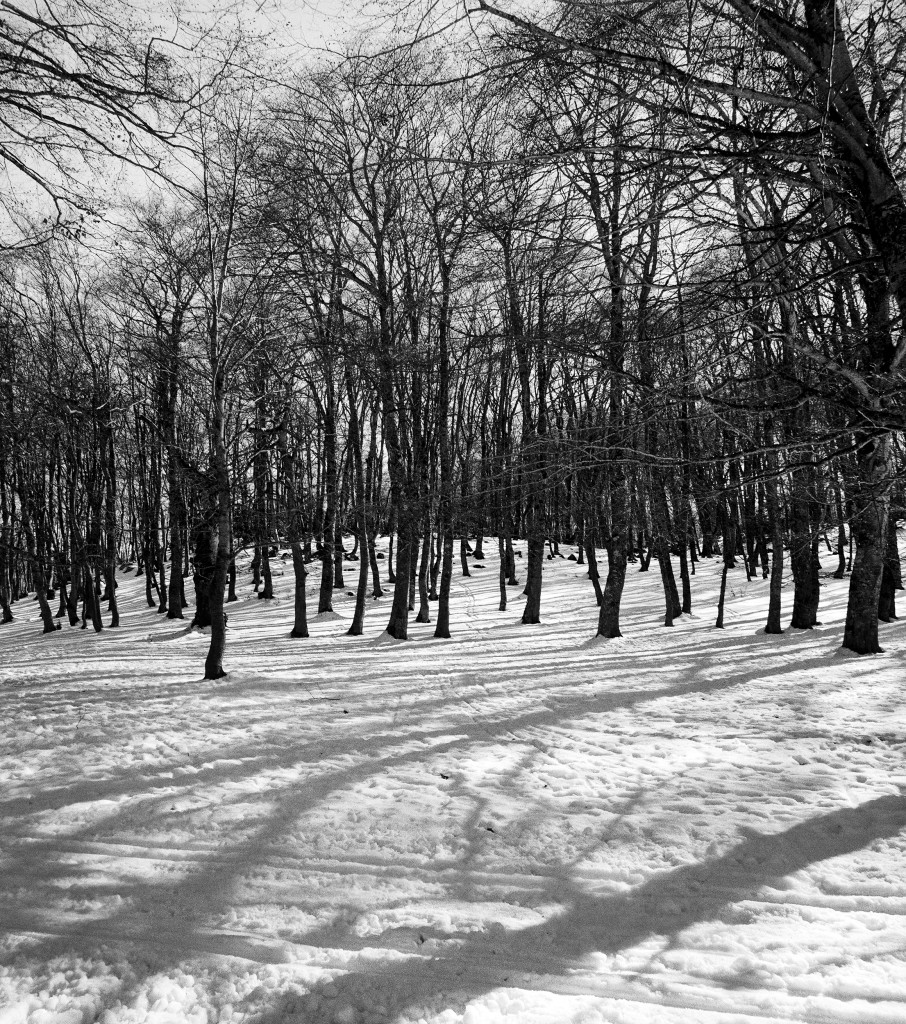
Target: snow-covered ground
(519, 824)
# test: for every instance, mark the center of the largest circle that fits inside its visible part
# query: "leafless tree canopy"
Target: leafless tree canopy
(625, 276)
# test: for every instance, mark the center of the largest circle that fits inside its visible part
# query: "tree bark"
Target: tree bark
(870, 501)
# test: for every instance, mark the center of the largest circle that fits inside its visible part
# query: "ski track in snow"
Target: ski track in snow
(522, 823)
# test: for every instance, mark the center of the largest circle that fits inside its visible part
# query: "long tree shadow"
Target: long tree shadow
(472, 964)
(557, 710)
(359, 756)
(588, 923)
(370, 753)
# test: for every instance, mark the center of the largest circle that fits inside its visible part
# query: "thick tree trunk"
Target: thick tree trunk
(671, 597)
(398, 625)
(775, 587)
(609, 614)
(213, 666)
(358, 616)
(300, 607)
(501, 549)
(174, 596)
(203, 574)
(442, 628)
(325, 593)
(891, 577)
(870, 500)
(804, 554)
(532, 611)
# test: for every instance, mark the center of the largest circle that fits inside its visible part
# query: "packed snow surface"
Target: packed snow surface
(520, 824)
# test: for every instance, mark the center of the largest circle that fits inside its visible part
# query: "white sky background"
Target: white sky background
(284, 35)
(287, 36)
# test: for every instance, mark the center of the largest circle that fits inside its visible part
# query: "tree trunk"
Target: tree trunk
(501, 549)
(267, 590)
(609, 614)
(803, 555)
(202, 576)
(360, 496)
(442, 629)
(376, 589)
(671, 598)
(840, 571)
(729, 548)
(464, 555)
(110, 532)
(424, 608)
(220, 486)
(891, 576)
(391, 572)
(593, 573)
(532, 612)
(300, 607)
(776, 584)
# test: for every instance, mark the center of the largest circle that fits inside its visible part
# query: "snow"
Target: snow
(521, 824)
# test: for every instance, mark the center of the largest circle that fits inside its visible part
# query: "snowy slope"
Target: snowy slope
(520, 824)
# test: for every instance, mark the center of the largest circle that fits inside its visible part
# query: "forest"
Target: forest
(452, 505)
(629, 277)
